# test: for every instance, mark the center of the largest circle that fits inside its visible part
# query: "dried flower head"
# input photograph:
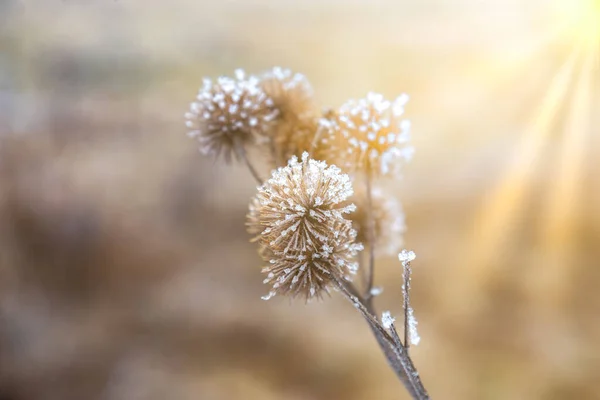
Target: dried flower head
(230, 114)
(369, 134)
(296, 124)
(291, 92)
(388, 219)
(298, 219)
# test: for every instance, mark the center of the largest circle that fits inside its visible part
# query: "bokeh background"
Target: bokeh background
(125, 269)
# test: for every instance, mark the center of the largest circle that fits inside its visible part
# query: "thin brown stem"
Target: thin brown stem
(275, 156)
(244, 156)
(361, 267)
(406, 303)
(370, 238)
(392, 348)
(395, 336)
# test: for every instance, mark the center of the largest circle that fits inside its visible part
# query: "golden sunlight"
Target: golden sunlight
(581, 18)
(568, 98)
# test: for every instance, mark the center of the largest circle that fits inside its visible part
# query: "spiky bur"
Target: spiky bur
(411, 335)
(369, 134)
(388, 218)
(298, 219)
(230, 114)
(297, 120)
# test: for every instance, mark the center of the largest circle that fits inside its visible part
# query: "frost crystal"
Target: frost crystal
(268, 296)
(370, 135)
(412, 328)
(297, 218)
(376, 291)
(229, 113)
(387, 320)
(406, 256)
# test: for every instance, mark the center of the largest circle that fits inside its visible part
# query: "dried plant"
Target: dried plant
(388, 218)
(230, 114)
(307, 220)
(307, 240)
(369, 135)
(298, 116)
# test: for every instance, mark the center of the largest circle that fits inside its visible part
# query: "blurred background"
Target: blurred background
(125, 268)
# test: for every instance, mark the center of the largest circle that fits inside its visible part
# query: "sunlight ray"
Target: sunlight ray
(504, 204)
(558, 233)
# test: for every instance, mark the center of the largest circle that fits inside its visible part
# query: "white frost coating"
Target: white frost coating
(413, 334)
(387, 320)
(268, 296)
(376, 291)
(406, 256)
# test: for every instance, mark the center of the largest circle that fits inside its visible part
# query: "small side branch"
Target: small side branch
(406, 302)
(411, 336)
(390, 344)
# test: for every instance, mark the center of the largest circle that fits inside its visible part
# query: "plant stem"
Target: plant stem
(244, 156)
(361, 267)
(392, 348)
(406, 303)
(370, 239)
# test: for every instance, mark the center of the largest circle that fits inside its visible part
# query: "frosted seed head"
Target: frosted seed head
(297, 122)
(360, 131)
(305, 249)
(218, 119)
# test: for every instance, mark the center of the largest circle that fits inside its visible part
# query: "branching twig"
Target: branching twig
(391, 346)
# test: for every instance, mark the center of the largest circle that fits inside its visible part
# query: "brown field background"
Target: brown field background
(125, 269)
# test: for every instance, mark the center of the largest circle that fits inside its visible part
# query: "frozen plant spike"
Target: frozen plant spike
(387, 320)
(406, 256)
(411, 336)
(412, 328)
